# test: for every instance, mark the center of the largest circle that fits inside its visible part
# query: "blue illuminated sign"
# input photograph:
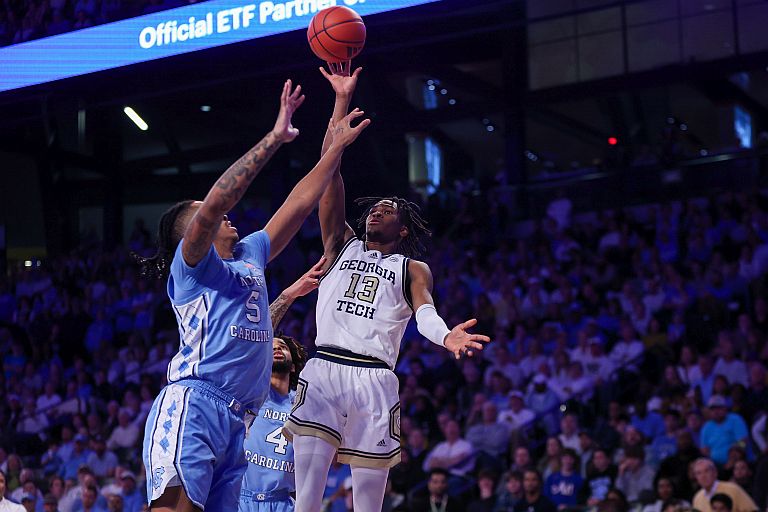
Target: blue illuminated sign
(163, 34)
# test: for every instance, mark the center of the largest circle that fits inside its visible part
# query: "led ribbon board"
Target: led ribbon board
(163, 34)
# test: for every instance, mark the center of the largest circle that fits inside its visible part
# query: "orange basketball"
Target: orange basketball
(336, 34)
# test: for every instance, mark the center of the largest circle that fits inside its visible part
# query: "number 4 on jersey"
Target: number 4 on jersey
(276, 437)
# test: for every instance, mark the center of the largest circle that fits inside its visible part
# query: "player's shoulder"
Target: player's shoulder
(418, 267)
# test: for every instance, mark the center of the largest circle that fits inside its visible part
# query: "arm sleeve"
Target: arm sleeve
(257, 246)
(205, 274)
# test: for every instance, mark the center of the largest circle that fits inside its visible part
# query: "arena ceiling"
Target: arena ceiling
(206, 108)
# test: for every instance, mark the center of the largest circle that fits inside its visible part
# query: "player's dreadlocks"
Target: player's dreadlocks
(298, 356)
(408, 213)
(169, 234)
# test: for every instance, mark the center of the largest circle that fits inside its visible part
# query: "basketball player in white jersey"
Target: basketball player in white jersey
(347, 397)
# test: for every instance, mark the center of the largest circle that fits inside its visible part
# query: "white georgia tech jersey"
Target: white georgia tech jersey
(362, 305)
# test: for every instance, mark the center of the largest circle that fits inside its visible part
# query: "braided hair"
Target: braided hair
(409, 215)
(298, 357)
(169, 233)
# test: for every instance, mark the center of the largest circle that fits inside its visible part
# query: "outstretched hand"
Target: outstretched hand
(343, 84)
(290, 101)
(460, 342)
(343, 133)
(308, 282)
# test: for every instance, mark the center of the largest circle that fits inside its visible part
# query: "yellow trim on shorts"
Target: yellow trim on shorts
(361, 460)
(291, 429)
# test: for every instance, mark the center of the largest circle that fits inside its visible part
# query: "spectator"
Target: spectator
(521, 460)
(562, 487)
(650, 424)
(512, 492)
(454, 454)
(569, 432)
(542, 401)
(727, 365)
(79, 457)
(88, 503)
(628, 349)
(704, 378)
(665, 491)
(676, 467)
(533, 500)
(757, 393)
(634, 475)
(722, 431)
(721, 503)
(50, 503)
(706, 475)
(516, 416)
(550, 462)
(125, 434)
(132, 495)
(437, 497)
(7, 505)
(665, 445)
(489, 439)
(101, 461)
(486, 499)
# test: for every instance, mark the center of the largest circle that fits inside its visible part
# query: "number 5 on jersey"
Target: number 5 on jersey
(253, 313)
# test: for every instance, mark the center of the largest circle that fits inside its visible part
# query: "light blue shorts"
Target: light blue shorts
(194, 438)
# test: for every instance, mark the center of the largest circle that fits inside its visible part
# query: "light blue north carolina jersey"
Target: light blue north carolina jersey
(267, 451)
(222, 310)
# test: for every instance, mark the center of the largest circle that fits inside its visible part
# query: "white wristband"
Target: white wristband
(430, 325)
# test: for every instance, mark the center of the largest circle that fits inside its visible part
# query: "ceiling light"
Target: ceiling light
(443, 91)
(451, 101)
(205, 108)
(136, 118)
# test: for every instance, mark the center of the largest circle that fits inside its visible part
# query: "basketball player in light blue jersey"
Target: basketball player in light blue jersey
(193, 440)
(269, 481)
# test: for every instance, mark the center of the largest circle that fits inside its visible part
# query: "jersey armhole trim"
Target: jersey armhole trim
(407, 283)
(337, 258)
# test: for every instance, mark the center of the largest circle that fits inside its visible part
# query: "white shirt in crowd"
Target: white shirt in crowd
(460, 448)
(515, 420)
(735, 371)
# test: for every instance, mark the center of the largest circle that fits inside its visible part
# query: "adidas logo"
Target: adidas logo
(381, 443)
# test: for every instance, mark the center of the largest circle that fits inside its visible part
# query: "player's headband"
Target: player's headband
(386, 202)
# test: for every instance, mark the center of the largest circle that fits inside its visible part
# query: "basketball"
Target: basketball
(336, 34)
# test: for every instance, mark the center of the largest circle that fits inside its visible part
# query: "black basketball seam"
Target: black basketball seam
(314, 28)
(327, 12)
(327, 50)
(343, 22)
(342, 40)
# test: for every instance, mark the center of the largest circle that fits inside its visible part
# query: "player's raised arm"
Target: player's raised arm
(305, 195)
(231, 186)
(333, 226)
(429, 323)
(302, 286)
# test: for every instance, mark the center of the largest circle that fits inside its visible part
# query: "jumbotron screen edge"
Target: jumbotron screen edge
(164, 34)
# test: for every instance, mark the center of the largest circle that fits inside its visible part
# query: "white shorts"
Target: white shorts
(352, 402)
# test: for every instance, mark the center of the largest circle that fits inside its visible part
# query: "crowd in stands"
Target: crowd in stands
(627, 369)
(24, 20)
